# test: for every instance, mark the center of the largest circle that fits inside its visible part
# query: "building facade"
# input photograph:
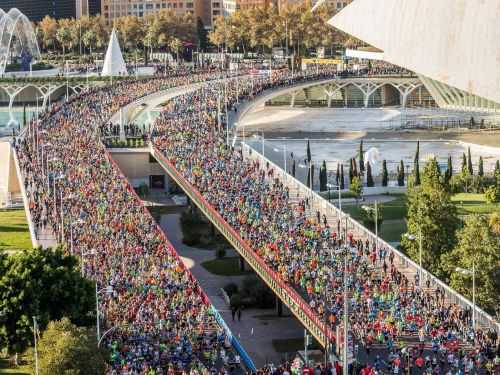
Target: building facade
(112, 9)
(456, 56)
(35, 10)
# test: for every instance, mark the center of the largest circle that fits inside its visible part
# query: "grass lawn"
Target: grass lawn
(473, 204)
(394, 214)
(14, 232)
(7, 369)
(229, 266)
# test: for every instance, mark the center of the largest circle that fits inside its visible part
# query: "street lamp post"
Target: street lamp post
(79, 221)
(108, 289)
(411, 237)
(35, 329)
(83, 255)
(473, 273)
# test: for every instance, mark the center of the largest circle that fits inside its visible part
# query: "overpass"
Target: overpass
(401, 87)
(297, 305)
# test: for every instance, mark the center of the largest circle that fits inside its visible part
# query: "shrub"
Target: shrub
(220, 253)
(492, 194)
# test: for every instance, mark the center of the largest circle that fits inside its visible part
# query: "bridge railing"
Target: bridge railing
(286, 293)
(482, 317)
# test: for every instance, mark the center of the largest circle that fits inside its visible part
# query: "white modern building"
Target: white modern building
(452, 45)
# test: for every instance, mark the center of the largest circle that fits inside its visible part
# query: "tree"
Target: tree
(130, 31)
(65, 348)
(477, 246)
(369, 177)
(308, 151)
(175, 44)
(63, 36)
(495, 223)
(449, 172)
(496, 172)
(354, 167)
(469, 162)
(42, 283)
(492, 194)
(323, 177)
(401, 174)
(464, 164)
(430, 212)
(356, 188)
(351, 172)
(361, 158)
(369, 216)
(337, 175)
(480, 170)
(416, 166)
(293, 167)
(202, 34)
(48, 29)
(342, 180)
(385, 174)
(89, 39)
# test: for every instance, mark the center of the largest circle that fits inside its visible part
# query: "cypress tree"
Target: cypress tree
(293, 167)
(417, 173)
(354, 168)
(401, 174)
(322, 177)
(385, 174)
(361, 158)
(416, 165)
(337, 177)
(308, 151)
(469, 162)
(369, 177)
(464, 163)
(342, 183)
(480, 171)
(312, 177)
(351, 172)
(449, 172)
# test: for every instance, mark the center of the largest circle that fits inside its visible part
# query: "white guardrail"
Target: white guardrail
(483, 318)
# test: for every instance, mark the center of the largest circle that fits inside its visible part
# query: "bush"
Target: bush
(231, 289)
(492, 194)
(220, 253)
(256, 293)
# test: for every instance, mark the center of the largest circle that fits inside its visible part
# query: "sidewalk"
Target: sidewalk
(258, 327)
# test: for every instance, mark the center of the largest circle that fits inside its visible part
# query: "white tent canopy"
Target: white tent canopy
(114, 65)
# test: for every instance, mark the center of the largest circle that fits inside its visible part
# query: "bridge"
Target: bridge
(286, 293)
(391, 89)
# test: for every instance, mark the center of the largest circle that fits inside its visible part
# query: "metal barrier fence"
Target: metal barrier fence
(286, 293)
(234, 341)
(482, 317)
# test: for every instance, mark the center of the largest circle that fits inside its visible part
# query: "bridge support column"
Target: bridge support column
(366, 99)
(404, 99)
(279, 307)
(292, 101)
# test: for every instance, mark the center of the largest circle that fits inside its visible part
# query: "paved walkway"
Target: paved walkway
(258, 327)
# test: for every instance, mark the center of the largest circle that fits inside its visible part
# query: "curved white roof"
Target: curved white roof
(456, 42)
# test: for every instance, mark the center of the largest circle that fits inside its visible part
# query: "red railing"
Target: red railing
(286, 293)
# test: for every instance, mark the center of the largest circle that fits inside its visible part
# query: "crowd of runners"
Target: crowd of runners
(387, 308)
(155, 316)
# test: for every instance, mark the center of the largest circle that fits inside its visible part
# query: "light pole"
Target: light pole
(472, 272)
(104, 335)
(83, 255)
(375, 217)
(284, 157)
(35, 331)
(411, 237)
(329, 186)
(109, 290)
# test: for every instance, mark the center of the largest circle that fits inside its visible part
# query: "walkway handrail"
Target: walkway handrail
(482, 316)
(286, 293)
